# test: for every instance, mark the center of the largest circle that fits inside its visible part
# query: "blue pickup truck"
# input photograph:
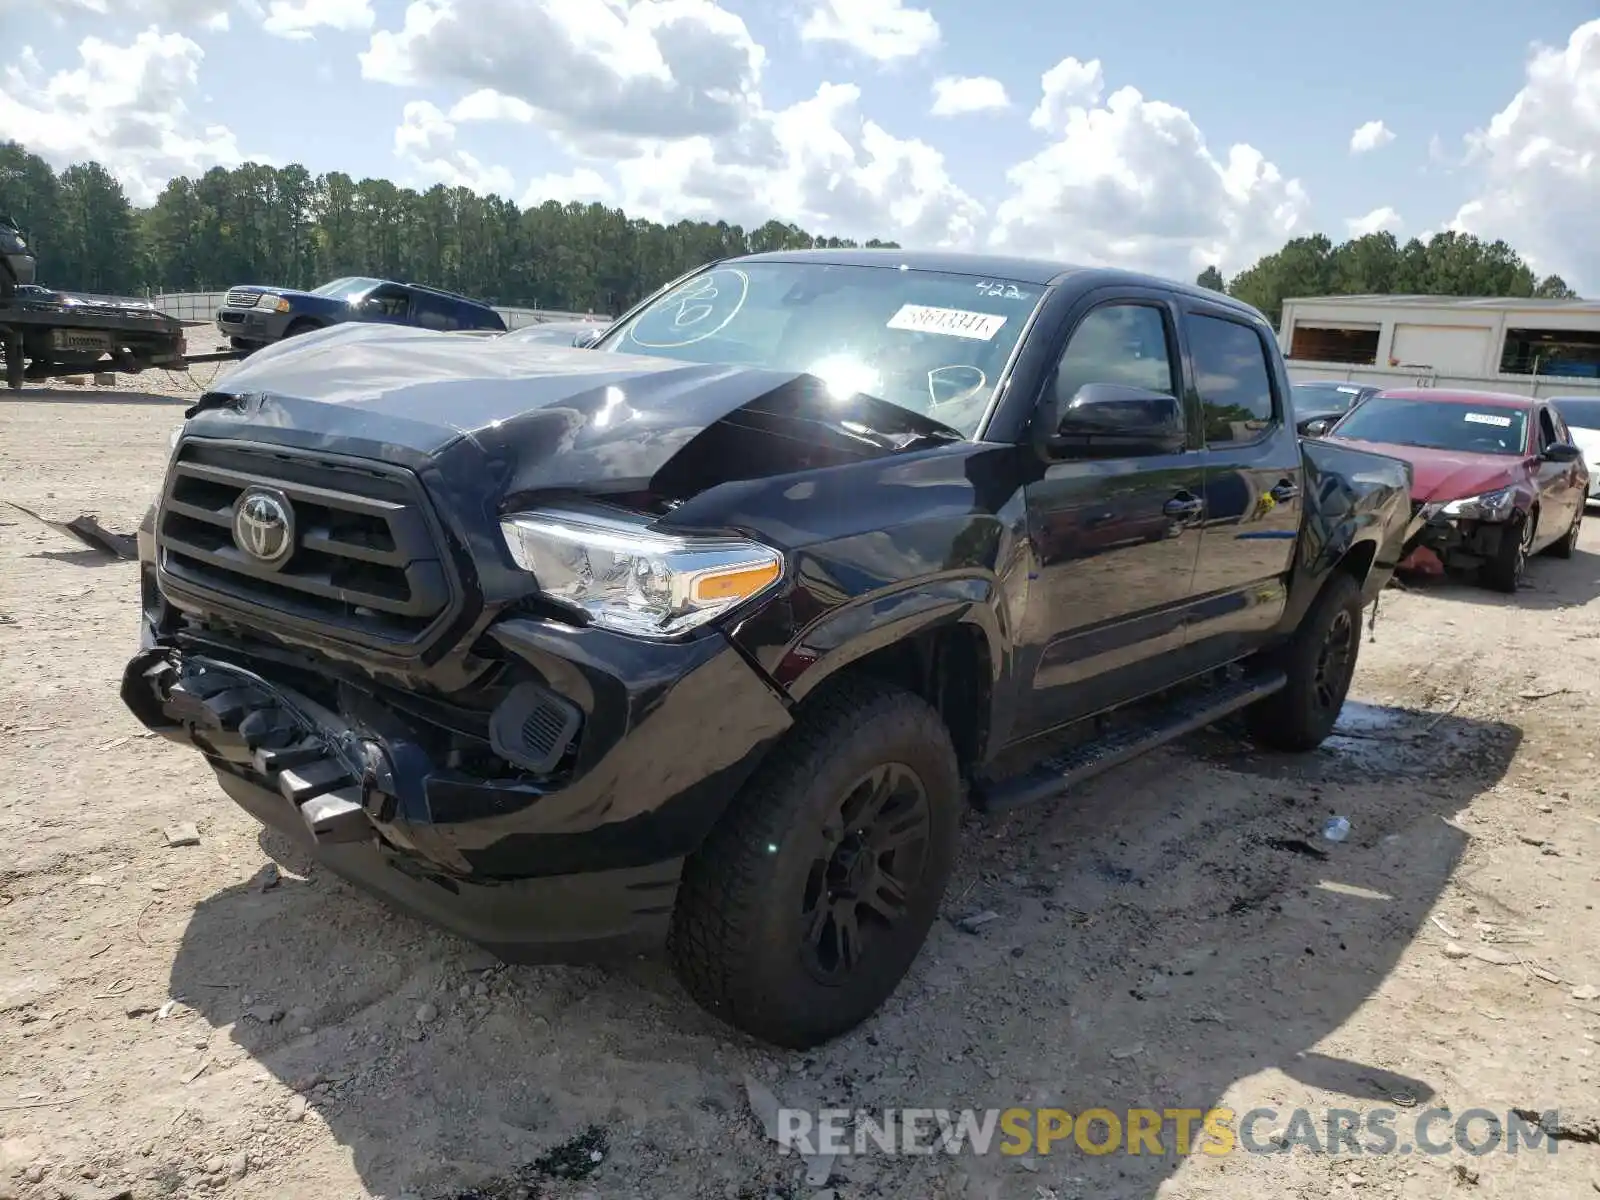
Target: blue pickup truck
(252, 316)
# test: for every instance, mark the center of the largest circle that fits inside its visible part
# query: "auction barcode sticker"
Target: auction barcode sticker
(1488, 419)
(957, 322)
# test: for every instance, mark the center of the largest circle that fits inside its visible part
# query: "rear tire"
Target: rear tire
(1505, 570)
(813, 895)
(1320, 660)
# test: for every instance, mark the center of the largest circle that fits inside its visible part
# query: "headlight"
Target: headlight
(632, 580)
(1491, 506)
(271, 303)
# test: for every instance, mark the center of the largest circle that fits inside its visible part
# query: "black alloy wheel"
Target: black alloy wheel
(874, 853)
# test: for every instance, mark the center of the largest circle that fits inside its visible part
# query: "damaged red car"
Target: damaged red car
(1496, 478)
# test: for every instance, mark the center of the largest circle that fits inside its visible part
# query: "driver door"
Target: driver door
(1115, 540)
(1560, 490)
(387, 305)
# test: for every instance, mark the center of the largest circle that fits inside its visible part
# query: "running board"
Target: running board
(1060, 772)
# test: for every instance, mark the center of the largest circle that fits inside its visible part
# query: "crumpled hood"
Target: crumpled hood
(541, 417)
(1439, 476)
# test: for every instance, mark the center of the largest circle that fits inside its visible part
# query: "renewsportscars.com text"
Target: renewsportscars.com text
(1160, 1132)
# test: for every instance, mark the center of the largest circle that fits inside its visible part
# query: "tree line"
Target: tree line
(283, 225)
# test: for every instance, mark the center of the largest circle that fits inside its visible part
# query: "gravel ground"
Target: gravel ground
(223, 1018)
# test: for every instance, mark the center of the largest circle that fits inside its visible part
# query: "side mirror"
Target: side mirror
(1315, 427)
(1108, 419)
(1562, 452)
(586, 338)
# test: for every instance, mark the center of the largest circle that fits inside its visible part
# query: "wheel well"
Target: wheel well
(949, 668)
(1358, 561)
(303, 323)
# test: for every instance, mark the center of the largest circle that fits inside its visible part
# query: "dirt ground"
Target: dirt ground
(1176, 935)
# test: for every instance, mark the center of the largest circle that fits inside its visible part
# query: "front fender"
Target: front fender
(1358, 513)
(869, 623)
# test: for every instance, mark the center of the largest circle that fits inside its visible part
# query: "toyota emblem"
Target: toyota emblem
(263, 525)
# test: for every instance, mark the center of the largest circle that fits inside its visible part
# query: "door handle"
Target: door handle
(1183, 506)
(1285, 492)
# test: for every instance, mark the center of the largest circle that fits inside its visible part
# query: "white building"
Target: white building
(1534, 347)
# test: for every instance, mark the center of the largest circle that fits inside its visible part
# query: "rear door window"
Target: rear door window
(434, 312)
(1233, 379)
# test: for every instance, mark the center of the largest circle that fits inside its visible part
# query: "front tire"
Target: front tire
(1505, 570)
(814, 894)
(1569, 543)
(1320, 660)
(296, 328)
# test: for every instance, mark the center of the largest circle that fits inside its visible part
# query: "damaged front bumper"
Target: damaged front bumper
(1437, 541)
(576, 859)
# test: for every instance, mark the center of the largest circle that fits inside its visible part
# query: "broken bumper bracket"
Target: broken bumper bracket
(240, 720)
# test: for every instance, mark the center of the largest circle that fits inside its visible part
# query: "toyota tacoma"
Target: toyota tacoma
(703, 635)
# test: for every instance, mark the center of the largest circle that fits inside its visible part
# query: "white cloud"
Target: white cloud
(671, 68)
(297, 18)
(819, 163)
(880, 29)
(1538, 164)
(426, 139)
(1375, 221)
(956, 95)
(1068, 86)
(124, 106)
(584, 185)
(208, 14)
(1370, 136)
(1133, 183)
(486, 104)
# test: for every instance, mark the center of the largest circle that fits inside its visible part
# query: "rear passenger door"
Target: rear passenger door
(1253, 483)
(1114, 539)
(435, 312)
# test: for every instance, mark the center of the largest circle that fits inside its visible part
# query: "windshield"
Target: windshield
(1324, 397)
(1438, 425)
(346, 289)
(928, 341)
(1581, 413)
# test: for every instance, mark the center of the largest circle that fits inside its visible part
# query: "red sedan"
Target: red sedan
(1496, 477)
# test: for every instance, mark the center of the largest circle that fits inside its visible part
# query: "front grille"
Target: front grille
(239, 298)
(367, 565)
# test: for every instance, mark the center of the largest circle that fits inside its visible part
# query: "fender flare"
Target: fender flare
(876, 620)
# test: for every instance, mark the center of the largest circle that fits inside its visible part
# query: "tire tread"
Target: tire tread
(714, 923)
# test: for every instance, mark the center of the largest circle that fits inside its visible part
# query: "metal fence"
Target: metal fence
(200, 308)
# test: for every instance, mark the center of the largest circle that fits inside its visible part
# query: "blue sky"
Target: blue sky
(1290, 81)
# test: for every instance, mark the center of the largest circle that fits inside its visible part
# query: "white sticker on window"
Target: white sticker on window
(1488, 419)
(956, 322)
(1349, 391)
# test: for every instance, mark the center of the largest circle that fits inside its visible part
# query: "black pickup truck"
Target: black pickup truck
(707, 632)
